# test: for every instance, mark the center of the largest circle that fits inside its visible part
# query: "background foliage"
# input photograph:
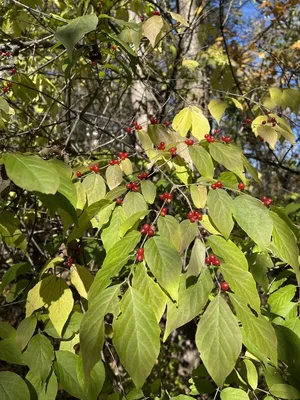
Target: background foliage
(149, 204)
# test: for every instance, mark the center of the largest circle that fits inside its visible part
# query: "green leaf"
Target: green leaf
(50, 392)
(66, 186)
(7, 331)
(228, 251)
(229, 156)
(251, 373)
(136, 336)
(151, 291)
(179, 18)
(189, 230)
(206, 223)
(117, 192)
(75, 30)
(32, 173)
(284, 243)
(39, 355)
(133, 203)
(258, 334)
(115, 259)
(126, 166)
(95, 188)
(182, 397)
(10, 352)
(182, 121)
(92, 326)
(280, 298)
(198, 195)
(202, 161)
(219, 340)
(103, 216)
(197, 260)
(82, 279)
(148, 191)
(191, 301)
(269, 134)
(200, 124)
(249, 214)
(217, 108)
(169, 228)
(113, 176)
(165, 264)
(220, 210)
(234, 394)
(110, 235)
(25, 331)
(291, 99)
(284, 391)
(65, 369)
(16, 290)
(12, 387)
(152, 28)
(97, 381)
(13, 272)
(131, 221)
(242, 283)
(236, 103)
(56, 296)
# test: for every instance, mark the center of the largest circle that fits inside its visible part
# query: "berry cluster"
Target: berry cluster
(166, 196)
(147, 230)
(140, 254)
(267, 201)
(123, 156)
(225, 139)
(164, 211)
(5, 53)
(70, 262)
(167, 123)
(128, 130)
(153, 120)
(6, 88)
(161, 146)
(119, 201)
(155, 12)
(248, 121)
(142, 176)
(173, 151)
(136, 126)
(224, 286)
(270, 121)
(114, 162)
(13, 71)
(209, 138)
(241, 186)
(212, 259)
(217, 185)
(189, 142)
(217, 131)
(193, 216)
(95, 168)
(132, 186)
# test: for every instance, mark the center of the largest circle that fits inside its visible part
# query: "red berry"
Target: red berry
(203, 232)
(7, 53)
(129, 186)
(228, 139)
(169, 197)
(138, 127)
(139, 257)
(241, 186)
(78, 174)
(167, 123)
(190, 214)
(264, 122)
(261, 140)
(151, 232)
(224, 286)
(155, 12)
(213, 186)
(114, 47)
(5, 89)
(119, 201)
(248, 121)
(92, 167)
(142, 18)
(217, 263)
(161, 146)
(164, 211)
(153, 120)
(219, 184)
(212, 258)
(96, 169)
(192, 219)
(207, 261)
(9, 84)
(146, 227)
(140, 251)
(70, 262)
(1, 53)
(13, 71)
(94, 63)
(128, 130)
(264, 198)
(217, 131)
(173, 151)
